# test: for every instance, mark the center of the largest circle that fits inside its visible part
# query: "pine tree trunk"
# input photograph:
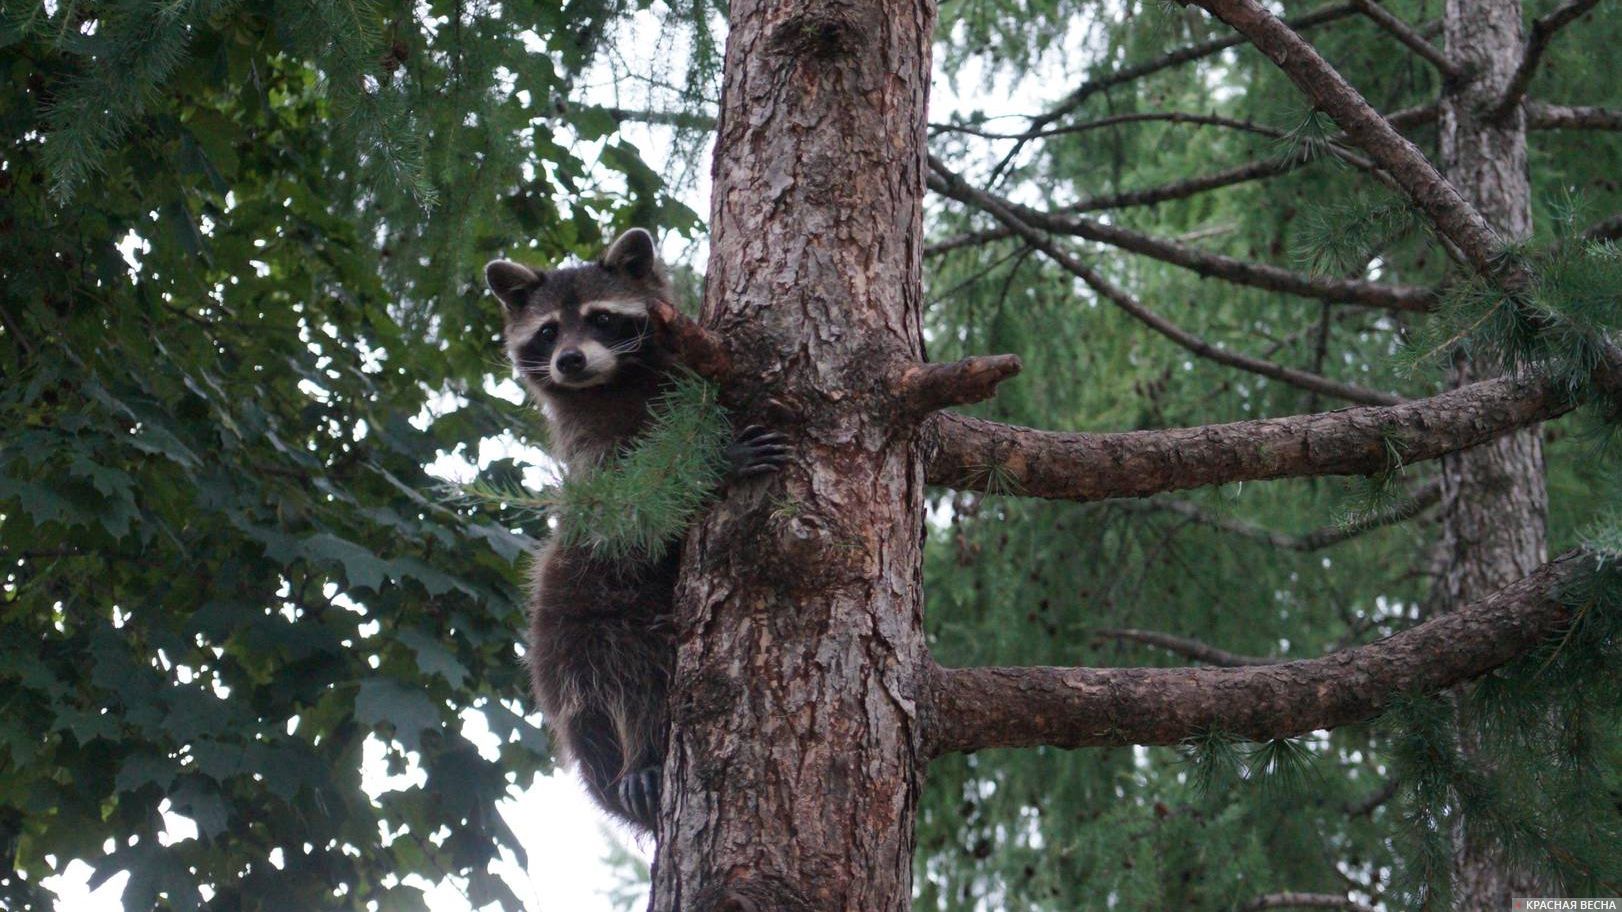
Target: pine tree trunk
(792, 773)
(1494, 506)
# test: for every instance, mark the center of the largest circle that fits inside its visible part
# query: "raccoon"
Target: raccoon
(601, 643)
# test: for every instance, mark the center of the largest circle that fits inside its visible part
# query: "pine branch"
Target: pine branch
(999, 209)
(1543, 31)
(1540, 116)
(1411, 37)
(1183, 646)
(1211, 265)
(1170, 59)
(1174, 117)
(970, 709)
(963, 452)
(1258, 169)
(1289, 900)
(1315, 540)
(1453, 216)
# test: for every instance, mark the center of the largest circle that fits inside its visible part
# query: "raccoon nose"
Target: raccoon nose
(571, 362)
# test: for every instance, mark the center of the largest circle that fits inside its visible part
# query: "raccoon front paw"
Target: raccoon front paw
(639, 795)
(757, 451)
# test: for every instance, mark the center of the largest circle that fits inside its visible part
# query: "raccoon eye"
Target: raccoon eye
(548, 332)
(602, 320)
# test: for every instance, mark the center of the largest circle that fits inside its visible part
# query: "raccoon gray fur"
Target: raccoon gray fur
(601, 644)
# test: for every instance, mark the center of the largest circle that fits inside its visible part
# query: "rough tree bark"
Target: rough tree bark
(1494, 508)
(791, 777)
(805, 700)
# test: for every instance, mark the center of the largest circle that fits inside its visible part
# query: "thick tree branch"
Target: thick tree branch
(1452, 215)
(1540, 116)
(975, 454)
(1259, 275)
(1291, 900)
(1543, 30)
(930, 387)
(1317, 539)
(695, 346)
(1185, 647)
(1411, 37)
(999, 209)
(971, 709)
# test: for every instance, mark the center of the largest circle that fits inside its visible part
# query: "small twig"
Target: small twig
(1366, 805)
(694, 346)
(1176, 117)
(1289, 900)
(1185, 647)
(1315, 540)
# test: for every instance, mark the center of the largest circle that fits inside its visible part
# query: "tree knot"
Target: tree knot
(825, 33)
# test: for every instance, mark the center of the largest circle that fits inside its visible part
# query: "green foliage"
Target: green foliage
(241, 245)
(640, 503)
(643, 501)
(1010, 581)
(1556, 328)
(1342, 239)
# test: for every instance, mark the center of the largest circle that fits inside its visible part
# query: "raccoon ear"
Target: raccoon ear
(633, 254)
(510, 282)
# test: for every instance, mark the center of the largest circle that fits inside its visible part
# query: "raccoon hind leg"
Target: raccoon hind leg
(628, 789)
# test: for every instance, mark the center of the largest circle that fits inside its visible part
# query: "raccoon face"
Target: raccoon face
(579, 327)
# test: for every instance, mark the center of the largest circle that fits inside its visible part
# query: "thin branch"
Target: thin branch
(1175, 117)
(1187, 648)
(975, 454)
(1258, 169)
(1290, 900)
(1212, 265)
(687, 120)
(1316, 540)
(971, 709)
(1411, 37)
(1543, 31)
(1540, 116)
(952, 186)
(1366, 805)
(1170, 59)
(1452, 215)
(931, 387)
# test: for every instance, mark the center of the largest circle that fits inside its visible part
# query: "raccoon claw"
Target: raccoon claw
(757, 451)
(639, 794)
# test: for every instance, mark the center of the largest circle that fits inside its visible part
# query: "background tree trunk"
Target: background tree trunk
(792, 773)
(1494, 504)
